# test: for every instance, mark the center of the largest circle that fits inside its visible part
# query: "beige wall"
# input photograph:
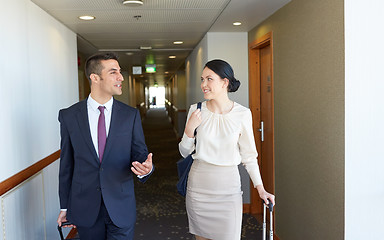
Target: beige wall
(308, 45)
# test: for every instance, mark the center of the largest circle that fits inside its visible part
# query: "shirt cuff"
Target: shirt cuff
(187, 142)
(63, 210)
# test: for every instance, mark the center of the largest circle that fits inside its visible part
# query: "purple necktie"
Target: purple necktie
(101, 133)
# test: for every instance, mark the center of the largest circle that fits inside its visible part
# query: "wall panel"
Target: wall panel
(38, 77)
(364, 114)
(23, 209)
(51, 199)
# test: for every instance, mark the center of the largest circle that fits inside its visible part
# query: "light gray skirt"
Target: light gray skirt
(214, 201)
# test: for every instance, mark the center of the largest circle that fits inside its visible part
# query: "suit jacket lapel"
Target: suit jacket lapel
(82, 119)
(113, 128)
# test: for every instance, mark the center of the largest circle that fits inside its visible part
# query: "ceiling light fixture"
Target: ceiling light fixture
(236, 23)
(133, 3)
(172, 56)
(87, 18)
(145, 47)
(178, 42)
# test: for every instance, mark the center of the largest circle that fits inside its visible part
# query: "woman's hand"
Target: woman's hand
(192, 123)
(266, 196)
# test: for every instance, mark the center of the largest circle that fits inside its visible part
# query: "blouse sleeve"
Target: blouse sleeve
(248, 150)
(187, 144)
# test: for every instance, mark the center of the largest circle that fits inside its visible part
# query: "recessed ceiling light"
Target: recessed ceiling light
(87, 18)
(172, 56)
(129, 53)
(133, 2)
(178, 42)
(236, 23)
(145, 47)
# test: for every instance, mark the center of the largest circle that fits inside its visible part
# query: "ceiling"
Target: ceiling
(156, 23)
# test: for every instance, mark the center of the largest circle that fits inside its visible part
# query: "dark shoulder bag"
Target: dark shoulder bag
(183, 167)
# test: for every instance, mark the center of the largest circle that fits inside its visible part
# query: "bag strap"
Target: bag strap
(198, 107)
(195, 132)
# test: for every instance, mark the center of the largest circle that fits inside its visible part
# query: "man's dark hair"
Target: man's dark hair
(93, 63)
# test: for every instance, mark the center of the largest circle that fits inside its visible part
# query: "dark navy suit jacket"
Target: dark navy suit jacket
(84, 181)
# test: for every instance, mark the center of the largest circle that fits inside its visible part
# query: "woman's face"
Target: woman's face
(212, 85)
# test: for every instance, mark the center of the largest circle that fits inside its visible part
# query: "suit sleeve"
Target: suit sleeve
(139, 148)
(66, 163)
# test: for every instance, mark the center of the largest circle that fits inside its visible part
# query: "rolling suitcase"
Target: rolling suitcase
(270, 233)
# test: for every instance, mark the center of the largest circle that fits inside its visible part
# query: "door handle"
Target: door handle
(261, 129)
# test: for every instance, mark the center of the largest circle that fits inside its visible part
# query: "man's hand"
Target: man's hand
(144, 168)
(63, 218)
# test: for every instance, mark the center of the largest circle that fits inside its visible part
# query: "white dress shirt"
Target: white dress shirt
(224, 140)
(93, 118)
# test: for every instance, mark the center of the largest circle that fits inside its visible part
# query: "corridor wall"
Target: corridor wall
(194, 65)
(364, 118)
(38, 76)
(177, 86)
(308, 48)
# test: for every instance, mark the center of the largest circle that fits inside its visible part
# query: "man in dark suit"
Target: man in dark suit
(102, 144)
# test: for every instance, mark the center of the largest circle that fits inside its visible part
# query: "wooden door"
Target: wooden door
(261, 105)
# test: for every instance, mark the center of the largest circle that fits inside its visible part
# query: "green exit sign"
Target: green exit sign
(150, 68)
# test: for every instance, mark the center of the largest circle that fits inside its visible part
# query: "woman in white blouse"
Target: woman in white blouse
(224, 139)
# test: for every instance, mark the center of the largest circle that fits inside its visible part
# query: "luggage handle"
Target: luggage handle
(270, 207)
(60, 230)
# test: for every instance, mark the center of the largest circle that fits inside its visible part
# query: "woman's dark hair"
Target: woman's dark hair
(224, 70)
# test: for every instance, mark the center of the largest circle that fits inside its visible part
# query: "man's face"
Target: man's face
(110, 78)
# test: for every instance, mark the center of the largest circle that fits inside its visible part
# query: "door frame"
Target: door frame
(255, 106)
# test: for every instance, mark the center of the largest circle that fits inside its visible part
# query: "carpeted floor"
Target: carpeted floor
(161, 210)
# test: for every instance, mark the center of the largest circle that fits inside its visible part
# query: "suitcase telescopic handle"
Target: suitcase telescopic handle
(270, 205)
(67, 223)
(60, 230)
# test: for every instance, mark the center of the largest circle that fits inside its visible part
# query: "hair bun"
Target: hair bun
(224, 70)
(234, 85)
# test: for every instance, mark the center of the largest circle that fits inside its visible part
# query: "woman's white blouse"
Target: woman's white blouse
(224, 139)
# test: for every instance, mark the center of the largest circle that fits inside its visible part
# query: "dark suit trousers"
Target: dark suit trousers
(104, 229)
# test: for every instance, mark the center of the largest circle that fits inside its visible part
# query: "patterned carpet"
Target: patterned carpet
(161, 210)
